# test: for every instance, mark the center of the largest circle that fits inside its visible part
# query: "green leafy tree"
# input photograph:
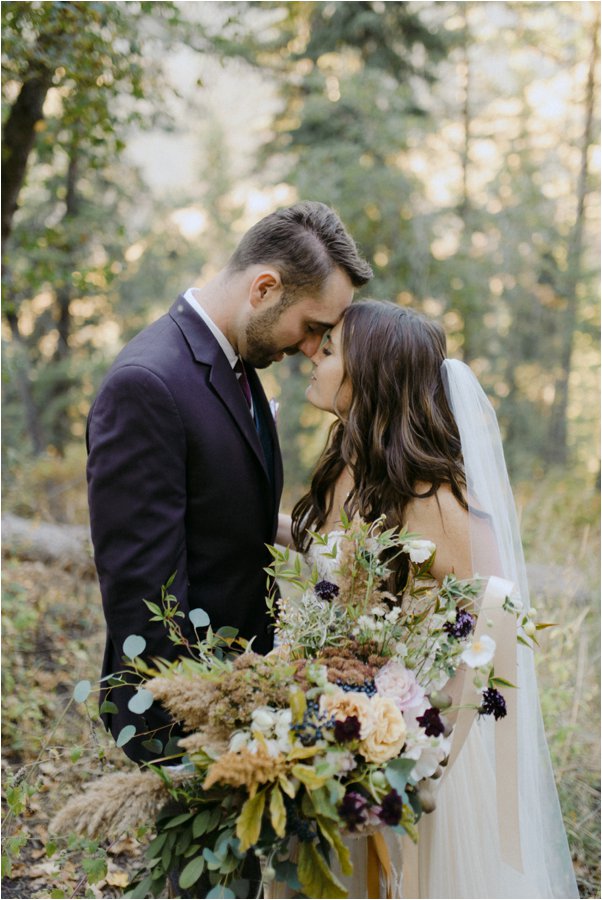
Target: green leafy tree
(93, 70)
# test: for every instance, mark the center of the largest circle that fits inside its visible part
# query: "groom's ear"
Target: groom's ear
(266, 288)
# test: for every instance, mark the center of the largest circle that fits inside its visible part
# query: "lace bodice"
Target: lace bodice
(325, 557)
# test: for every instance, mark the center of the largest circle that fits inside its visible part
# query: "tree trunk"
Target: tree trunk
(64, 293)
(557, 446)
(19, 138)
(22, 368)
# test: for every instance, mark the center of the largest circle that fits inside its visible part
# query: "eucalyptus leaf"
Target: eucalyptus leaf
(153, 745)
(126, 734)
(220, 890)
(172, 747)
(227, 632)
(199, 618)
(134, 645)
(398, 773)
(141, 701)
(108, 706)
(213, 860)
(81, 691)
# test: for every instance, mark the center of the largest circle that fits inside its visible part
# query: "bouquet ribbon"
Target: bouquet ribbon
(378, 861)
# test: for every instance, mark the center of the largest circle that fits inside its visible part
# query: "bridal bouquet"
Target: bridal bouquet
(340, 731)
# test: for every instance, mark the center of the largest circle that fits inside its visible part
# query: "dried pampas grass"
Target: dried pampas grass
(112, 805)
(187, 697)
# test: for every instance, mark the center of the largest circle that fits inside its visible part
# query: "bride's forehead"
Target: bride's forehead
(335, 332)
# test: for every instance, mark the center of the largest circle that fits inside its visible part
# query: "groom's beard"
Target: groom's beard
(262, 345)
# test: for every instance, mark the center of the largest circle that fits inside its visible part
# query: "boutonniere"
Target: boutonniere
(274, 408)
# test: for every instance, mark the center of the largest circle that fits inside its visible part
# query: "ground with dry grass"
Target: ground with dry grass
(54, 633)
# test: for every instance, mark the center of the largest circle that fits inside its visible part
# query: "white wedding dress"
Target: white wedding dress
(491, 835)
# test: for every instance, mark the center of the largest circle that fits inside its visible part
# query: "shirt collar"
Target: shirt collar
(220, 337)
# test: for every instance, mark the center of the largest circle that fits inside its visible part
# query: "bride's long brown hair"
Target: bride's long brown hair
(399, 430)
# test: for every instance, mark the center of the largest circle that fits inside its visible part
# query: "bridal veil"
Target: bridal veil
(494, 833)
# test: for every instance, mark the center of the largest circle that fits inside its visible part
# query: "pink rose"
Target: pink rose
(398, 683)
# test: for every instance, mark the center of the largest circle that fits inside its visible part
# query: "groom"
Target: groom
(184, 468)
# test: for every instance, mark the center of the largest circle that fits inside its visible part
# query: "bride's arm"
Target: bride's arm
(283, 535)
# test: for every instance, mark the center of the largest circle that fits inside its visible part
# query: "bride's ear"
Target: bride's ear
(265, 289)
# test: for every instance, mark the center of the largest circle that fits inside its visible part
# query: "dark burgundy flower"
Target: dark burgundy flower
(431, 722)
(326, 590)
(349, 730)
(390, 809)
(463, 625)
(353, 809)
(493, 704)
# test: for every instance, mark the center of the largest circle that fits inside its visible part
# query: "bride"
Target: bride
(416, 439)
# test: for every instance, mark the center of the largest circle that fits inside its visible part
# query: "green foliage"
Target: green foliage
(104, 60)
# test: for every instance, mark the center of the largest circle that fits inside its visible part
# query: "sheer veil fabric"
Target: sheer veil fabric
(459, 851)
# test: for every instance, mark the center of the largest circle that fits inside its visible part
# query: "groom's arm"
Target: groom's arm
(137, 498)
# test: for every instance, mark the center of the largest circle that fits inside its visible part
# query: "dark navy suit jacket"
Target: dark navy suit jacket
(178, 482)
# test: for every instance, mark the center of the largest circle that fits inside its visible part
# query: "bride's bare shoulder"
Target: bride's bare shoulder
(442, 506)
(442, 519)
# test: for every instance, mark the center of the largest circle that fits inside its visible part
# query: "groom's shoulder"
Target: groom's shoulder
(159, 347)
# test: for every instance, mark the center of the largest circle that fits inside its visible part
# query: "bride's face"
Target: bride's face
(326, 389)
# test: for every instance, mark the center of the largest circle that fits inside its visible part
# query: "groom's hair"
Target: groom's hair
(304, 242)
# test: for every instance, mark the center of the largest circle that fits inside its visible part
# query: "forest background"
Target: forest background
(459, 144)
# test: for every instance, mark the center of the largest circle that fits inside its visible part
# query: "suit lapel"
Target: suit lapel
(222, 379)
(261, 400)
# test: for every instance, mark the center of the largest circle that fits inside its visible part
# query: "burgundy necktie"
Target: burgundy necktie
(240, 373)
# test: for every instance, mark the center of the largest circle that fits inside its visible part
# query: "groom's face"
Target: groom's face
(286, 328)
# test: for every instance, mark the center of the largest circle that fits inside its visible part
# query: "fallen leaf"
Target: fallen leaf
(118, 878)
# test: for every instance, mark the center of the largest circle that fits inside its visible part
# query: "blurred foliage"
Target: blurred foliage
(489, 244)
(427, 126)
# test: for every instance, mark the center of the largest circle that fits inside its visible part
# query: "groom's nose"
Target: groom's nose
(310, 345)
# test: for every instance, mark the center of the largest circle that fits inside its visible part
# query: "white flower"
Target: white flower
(238, 740)
(341, 760)
(271, 746)
(393, 615)
(264, 718)
(365, 622)
(428, 756)
(530, 628)
(378, 611)
(419, 550)
(479, 652)
(283, 723)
